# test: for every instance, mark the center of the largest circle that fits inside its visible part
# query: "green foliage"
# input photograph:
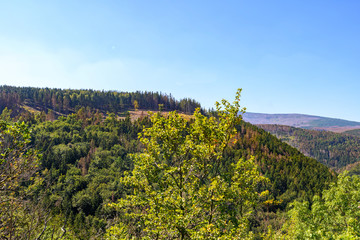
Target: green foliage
(355, 132)
(65, 101)
(292, 175)
(85, 154)
(84, 158)
(17, 162)
(116, 232)
(335, 150)
(179, 188)
(335, 215)
(18, 218)
(354, 169)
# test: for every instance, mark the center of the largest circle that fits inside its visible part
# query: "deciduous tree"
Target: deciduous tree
(17, 164)
(335, 215)
(182, 186)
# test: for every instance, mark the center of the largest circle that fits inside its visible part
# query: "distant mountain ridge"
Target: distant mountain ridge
(302, 121)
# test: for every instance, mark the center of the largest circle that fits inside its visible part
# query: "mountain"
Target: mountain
(86, 156)
(42, 106)
(335, 150)
(302, 121)
(85, 138)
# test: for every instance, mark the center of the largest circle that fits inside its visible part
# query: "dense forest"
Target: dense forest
(355, 132)
(335, 150)
(65, 101)
(87, 173)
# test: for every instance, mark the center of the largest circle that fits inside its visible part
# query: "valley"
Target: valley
(90, 152)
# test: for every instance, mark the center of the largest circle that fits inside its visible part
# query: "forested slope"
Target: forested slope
(86, 153)
(65, 101)
(85, 157)
(291, 173)
(335, 150)
(355, 132)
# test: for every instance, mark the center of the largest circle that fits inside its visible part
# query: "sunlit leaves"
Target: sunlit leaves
(334, 216)
(179, 188)
(17, 164)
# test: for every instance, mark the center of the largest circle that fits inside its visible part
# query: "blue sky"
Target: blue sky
(288, 56)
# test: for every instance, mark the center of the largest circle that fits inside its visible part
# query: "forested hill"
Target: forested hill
(64, 101)
(355, 132)
(85, 154)
(85, 158)
(335, 150)
(290, 172)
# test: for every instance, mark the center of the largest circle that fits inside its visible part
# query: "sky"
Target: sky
(287, 56)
